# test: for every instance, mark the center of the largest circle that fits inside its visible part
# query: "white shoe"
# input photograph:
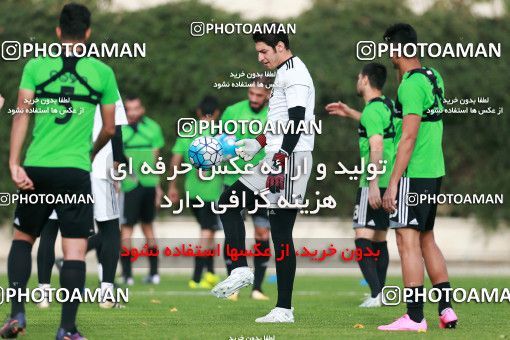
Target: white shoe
(278, 315)
(365, 300)
(45, 303)
(129, 281)
(152, 279)
(111, 305)
(371, 302)
(238, 278)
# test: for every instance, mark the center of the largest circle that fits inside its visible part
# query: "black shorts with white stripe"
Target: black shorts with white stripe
(416, 206)
(366, 217)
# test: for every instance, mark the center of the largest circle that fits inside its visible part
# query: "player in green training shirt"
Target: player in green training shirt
(208, 191)
(65, 91)
(376, 143)
(140, 193)
(254, 108)
(417, 172)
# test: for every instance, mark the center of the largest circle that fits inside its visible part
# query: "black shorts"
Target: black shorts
(366, 217)
(138, 205)
(67, 191)
(410, 212)
(205, 216)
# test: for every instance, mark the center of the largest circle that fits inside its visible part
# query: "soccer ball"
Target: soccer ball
(205, 152)
(227, 145)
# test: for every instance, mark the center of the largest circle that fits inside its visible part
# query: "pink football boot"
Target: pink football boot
(405, 324)
(448, 319)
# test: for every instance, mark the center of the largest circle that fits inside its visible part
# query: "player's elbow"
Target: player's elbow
(408, 138)
(109, 131)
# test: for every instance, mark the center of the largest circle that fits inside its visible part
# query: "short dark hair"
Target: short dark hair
(376, 74)
(272, 39)
(401, 34)
(74, 21)
(208, 105)
(131, 96)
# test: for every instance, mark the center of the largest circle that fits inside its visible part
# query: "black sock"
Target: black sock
(209, 262)
(72, 276)
(415, 304)
(109, 256)
(153, 262)
(233, 224)
(125, 262)
(368, 267)
(446, 296)
(228, 261)
(93, 241)
(282, 223)
(382, 261)
(199, 267)
(19, 266)
(260, 263)
(46, 251)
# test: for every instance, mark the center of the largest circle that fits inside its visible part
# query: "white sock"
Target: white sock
(286, 310)
(106, 286)
(100, 272)
(45, 287)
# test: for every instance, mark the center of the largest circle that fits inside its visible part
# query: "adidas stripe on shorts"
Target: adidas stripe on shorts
(411, 212)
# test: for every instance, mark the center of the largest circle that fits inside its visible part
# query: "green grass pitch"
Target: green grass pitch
(326, 307)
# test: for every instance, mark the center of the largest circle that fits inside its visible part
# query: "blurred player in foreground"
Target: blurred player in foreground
(106, 215)
(58, 162)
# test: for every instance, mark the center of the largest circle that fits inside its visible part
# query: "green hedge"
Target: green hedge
(180, 69)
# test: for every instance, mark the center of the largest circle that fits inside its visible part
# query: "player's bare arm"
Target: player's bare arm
(175, 164)
(159, 191)
(20, 122)
(410, 127)
(343, 110)
(376, 152)
(107, 130)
